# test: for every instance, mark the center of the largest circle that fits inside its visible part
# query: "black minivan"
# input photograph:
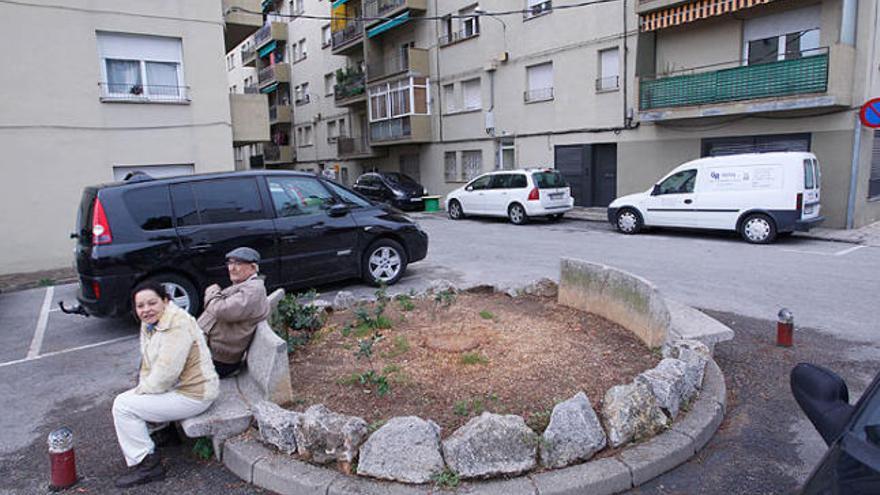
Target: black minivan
(308, 231)
(397, 189)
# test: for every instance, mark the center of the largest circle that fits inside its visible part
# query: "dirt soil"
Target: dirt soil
(450, 362)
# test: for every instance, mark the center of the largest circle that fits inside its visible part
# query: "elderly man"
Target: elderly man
(231, 315)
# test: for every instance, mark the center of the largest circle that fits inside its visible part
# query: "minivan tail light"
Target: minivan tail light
(535, 195)
(800, 202)
(100, 226)
(96, 289)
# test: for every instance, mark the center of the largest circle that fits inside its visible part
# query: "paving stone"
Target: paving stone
(515, 486)
(714, 386)
(288, 476)
(348, 485)
(656, 456)
(599, 477)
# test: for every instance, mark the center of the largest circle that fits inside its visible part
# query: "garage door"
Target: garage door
(755, 144)
(590, 170)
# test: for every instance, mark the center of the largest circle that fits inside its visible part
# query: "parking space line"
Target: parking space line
(72, 349)
(42, 322)
(848, 250)
(842, 252)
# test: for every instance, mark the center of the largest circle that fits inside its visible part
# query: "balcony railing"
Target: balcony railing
(351, 32)
(348, 146)
(277, 152)
(247, 53)
(455, 37)
(280, 72)
(302, 99)
(144, 93)
(542, 94)
(806, 74)
(251, 89)
(354, 85)
(607, 83)
(378, 8)
(391, 130)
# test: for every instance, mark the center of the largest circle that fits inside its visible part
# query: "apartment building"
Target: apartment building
(109, 87)
(613, 94)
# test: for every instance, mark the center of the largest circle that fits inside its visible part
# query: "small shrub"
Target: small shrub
(460, 408)
(46, 282)
(203, 448)
(538, 421)
(296, 315)
(399, 346)
(446, 480)
(487, 315)
(471, 358)
(406, 302)
(375, 425)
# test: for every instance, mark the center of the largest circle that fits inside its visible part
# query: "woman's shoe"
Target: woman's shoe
(150, 469)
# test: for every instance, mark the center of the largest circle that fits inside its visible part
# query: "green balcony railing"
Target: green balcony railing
(808, 74)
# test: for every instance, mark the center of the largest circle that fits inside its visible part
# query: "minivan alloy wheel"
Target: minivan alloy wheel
(178, 295)
(385, 263)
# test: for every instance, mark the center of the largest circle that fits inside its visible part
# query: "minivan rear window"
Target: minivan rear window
(549, 179)
(150, 207)
(84, 216)
(216, 201)
(809, 174)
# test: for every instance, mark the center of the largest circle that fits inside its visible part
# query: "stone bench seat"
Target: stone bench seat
(265, 376)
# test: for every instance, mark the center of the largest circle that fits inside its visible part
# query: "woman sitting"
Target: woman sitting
(177, 381)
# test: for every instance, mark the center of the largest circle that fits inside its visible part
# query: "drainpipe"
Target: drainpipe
(439, 86)
(626, 122)
(854, 175)
(848, 22)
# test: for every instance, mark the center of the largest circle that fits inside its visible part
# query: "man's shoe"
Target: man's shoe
(149, 470)
(166, 437)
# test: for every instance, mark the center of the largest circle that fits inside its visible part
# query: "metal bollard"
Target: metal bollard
(785, 328)
(62, 459)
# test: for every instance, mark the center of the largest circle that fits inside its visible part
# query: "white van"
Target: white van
(758, 195)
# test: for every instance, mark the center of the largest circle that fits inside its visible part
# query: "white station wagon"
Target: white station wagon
(758, 195)
(515, 194)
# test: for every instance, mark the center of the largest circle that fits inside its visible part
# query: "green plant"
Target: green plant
(46, 282)
(297, 340)
(446, 480)
(400, 345)
(471, 358)
(539, 420)
(349, 379)
(296, 312)
(371, 378)
(487, 315)
(375, 425)
(390, 369)
(460, 408)
(203, 448)
(406, 302)
(442, 299)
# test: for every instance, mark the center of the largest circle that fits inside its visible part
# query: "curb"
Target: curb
(256, 463)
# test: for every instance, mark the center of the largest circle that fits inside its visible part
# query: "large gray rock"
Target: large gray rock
(277, 425)
(441, 285)
(405, 449)
(574, 433)
(344, 300)
(543, 287)
(630, 412)
(695, 355)
(325, 436)
(668, 382)
(490, 445)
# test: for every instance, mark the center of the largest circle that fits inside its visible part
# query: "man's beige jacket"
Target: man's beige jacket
(231, 317)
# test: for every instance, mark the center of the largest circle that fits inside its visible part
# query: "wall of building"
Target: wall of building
(57, 135)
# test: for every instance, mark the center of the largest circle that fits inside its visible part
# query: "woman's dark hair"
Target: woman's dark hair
(156, 287)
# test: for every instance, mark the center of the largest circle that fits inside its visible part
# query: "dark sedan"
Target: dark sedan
(397, 189)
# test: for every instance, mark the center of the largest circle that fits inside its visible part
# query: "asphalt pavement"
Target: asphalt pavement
(59, 369)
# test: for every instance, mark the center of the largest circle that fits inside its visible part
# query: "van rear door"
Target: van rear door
(812, 189)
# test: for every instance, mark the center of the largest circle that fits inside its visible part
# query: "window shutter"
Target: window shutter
(472, 96)
(540, 76)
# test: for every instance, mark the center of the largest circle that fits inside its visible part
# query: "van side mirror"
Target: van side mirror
(824, 398)
(469, 188)
(338, 210)
(656, 190)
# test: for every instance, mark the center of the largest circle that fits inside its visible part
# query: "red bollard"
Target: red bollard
(785, 328)
(62, 459)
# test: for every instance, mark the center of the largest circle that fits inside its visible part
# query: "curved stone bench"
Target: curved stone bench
(266, 376)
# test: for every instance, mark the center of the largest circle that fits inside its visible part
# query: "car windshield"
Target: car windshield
(402, 179)
(549, 179)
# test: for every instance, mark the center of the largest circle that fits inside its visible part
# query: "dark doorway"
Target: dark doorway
(591, 170)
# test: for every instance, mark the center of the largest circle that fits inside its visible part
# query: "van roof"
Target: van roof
(210, 175)
(748, 159)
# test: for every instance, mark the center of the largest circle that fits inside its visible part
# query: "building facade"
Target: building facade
(613, 94)
(131, 86)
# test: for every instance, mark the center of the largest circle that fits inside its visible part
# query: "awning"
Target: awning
(390, 23)
(266, 4)
(693, 11)
(338, 3)
(267, 49)
(270, 88)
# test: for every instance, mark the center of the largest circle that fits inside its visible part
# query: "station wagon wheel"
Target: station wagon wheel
(180, 291)
(384, 262)
(629, 221)
(455, 211)
(758, 229)
(517, 214)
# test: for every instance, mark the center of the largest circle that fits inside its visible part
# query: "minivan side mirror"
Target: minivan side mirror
(338, 210)
(656, 190)
(469, 188)
(824, 398)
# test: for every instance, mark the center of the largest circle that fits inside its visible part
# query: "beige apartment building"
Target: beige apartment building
(97, 89)
(613, 94)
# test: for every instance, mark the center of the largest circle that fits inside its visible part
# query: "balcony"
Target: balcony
(249, 55)
(350, 89)
(279, 114)
(238, 24)
(415, 61)
(302, 99)
(271, 31)
(401, 130)
(348, 148)
(348, 38)
(277, 153)
(390, 8)
(250, 120)
(779, 85)
(278, 73)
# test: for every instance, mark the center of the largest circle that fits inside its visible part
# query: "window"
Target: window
(538, 7)
(329, 82)
(450, 169)
(304, 136)
(553, 179)
(508, 155)
(230, 61)
(297, 196)
(348, 197)
(399, 98)
(343, 131)
(464, 25)
(786, 35)
(150, 207)
(809, 174)
(301, 94)
(298, 7)
(332, 131)
(326, 36)
(680, 183)
(471, 94)
(609, 70)
(216, 201)
(471, 164)
(874, 180)
(449, 98)
(299, 50)
(539, 79)
(142, 68)
(481, 183)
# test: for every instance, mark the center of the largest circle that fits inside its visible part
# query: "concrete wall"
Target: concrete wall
(58, 136)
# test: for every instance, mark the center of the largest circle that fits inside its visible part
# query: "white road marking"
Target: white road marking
(842, 252)
(37, 341)
(72, 349)
(848, 250)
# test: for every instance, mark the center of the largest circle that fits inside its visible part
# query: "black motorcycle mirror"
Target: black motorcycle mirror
(824, 398)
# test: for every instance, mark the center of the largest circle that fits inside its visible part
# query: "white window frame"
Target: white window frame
(108, 50)
(385, 90)
(329, 89)
(326, 36)
(602, 83)
(536, 8)
(529, 97)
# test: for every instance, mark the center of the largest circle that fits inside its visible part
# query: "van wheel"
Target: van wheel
(180, 290)
(455, 212)
(384, 263)
(758, 229)
(628, 221)
(517, 214)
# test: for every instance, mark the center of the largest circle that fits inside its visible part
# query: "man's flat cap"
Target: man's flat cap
(245, 254)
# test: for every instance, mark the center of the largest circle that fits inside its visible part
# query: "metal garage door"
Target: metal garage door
(755, 144)
(590, 170)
